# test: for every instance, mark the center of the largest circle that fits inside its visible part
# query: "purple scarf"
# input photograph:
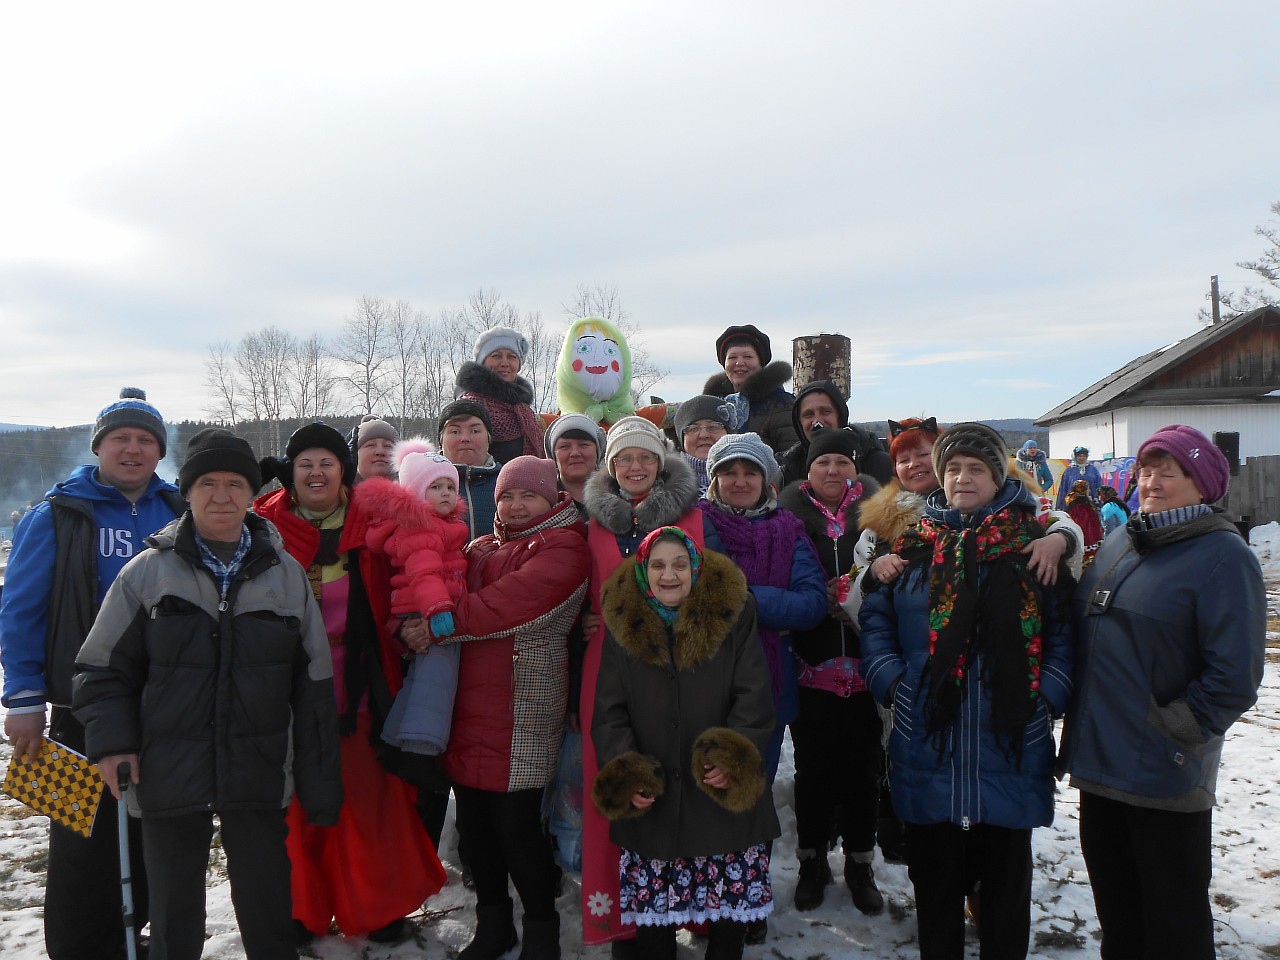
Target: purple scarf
(763, 549)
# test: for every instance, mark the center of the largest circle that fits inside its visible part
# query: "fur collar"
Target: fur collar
(704, 621)
(386, 498)
(478, 379)
(757, 386)
(674, 493)
(892, 511)
(794, 499)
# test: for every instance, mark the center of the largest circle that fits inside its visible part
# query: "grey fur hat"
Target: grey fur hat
(976, 440)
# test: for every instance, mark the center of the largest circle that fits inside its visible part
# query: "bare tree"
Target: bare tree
(263, 361)
(1266, 266)
(603, 300)
(541, 360)
(404, 338)
(443, 346)
(363, 350)
(220, 378)
(310, 379)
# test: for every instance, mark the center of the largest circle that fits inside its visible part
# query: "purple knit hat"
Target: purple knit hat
(1196, 454)
(529, 473)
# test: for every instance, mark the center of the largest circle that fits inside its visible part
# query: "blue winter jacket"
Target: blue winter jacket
(1170, 654)
(477, 487)
(974, 779)
(119, 528)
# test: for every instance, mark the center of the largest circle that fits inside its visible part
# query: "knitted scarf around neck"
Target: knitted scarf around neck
(511, 420)
(999, 619)
(763, 549)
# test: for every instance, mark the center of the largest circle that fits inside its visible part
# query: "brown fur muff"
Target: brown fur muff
(620, 778)
(738, 758)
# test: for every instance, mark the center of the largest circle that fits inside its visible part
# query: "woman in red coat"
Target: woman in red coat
(377, 864)
(525, 585)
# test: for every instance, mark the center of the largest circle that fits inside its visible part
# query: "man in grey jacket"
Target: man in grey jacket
(208, 672)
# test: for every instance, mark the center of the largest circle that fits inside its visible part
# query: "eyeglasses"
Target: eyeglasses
(639, 459)
(715, 429)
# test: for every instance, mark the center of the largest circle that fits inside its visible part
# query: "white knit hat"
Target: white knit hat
(501, 338)
(634, 432)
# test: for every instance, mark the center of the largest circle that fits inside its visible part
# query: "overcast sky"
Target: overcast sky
(999, 202)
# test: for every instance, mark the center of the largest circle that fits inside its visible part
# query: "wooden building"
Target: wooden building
(1224, 380)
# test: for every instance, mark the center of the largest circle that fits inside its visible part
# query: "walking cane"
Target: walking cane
(126, 872)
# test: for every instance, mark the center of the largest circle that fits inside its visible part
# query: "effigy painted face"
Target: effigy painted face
(597, 363)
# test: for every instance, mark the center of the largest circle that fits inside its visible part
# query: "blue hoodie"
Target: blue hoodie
(24, 610)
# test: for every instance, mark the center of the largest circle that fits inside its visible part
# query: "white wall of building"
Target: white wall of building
(1120, 434)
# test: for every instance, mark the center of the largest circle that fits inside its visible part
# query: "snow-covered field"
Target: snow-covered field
(1246, 884)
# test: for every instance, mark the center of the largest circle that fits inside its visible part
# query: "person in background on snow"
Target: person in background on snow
(1171, 626)
(372, 442)
(377, 864)
(755, 385)
(820, 405)
(417, 523)
(974, 655)
(681, 644)
(771, 547)
(66, 553)
(1114, 511)
(525, 585)
(1034, 461)
(837, 716)
(1081, 509)
(214, 629)
(700, 422)
(493, 380)
(1079, 469)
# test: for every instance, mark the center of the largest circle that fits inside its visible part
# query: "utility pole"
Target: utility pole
(1213, 294)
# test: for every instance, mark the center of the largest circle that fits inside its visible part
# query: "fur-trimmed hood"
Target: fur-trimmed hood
(891, 512)
(476, 378)
(674, 492)
(758, 386)
(794, 499)
(705, 618)
(386, 499)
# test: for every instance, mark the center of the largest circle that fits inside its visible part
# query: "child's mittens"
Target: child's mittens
(441, 624)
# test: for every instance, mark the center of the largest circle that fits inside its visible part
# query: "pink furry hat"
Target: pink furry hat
(418, 465)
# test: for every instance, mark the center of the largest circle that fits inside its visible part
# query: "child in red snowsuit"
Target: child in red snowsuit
(419, 524)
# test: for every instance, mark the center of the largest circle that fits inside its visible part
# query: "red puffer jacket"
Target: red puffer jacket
(525, 587)
(424, 547)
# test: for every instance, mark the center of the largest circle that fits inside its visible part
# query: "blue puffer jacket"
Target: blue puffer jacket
(973, 780)
(1170, 654)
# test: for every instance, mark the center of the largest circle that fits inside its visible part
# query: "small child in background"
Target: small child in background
(419, 523)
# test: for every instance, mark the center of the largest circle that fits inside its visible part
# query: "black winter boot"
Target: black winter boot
(815, 875)
(862, 884)
(725, 940)
(495, 933)
(541, 939)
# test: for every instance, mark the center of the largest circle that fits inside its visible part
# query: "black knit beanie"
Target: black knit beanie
(318, 434)
(976, 440)
(214, 449)
(463, 408)
(832, 440)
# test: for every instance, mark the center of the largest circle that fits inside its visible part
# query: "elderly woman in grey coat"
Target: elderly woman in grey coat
(683, 712)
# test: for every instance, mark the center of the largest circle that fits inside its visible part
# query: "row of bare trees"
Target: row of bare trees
(397, 361)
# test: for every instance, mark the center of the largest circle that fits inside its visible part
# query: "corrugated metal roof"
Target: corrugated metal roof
(1104, 394)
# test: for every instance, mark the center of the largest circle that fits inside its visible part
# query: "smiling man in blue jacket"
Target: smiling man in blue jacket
(66, 554)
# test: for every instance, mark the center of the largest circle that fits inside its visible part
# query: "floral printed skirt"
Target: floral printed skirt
(731, 886)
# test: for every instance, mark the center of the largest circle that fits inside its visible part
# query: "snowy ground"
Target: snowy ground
(1246, 886)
